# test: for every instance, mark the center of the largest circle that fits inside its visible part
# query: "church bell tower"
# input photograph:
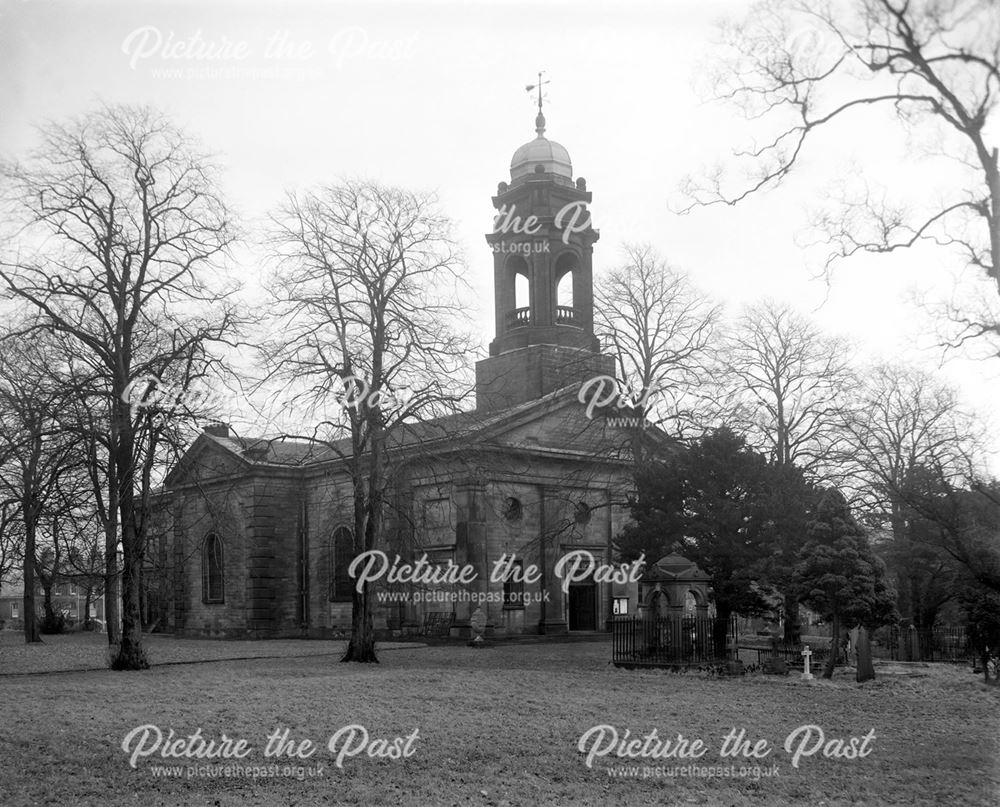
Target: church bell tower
(543, 244)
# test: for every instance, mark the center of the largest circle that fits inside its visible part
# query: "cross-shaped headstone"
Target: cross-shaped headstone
(806, 654)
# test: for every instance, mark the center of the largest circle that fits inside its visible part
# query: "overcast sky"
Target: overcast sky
(430, 95)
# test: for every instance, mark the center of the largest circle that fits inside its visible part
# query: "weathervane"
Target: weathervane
(538, 86)
(540, 119)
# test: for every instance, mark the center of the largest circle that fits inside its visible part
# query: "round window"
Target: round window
(512, 509)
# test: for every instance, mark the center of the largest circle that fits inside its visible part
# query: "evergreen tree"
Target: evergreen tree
(982, 614)
(789, 504)
(710, 504)
(839, 576)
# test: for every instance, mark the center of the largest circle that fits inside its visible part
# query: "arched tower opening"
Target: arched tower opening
(566, 276)
(522, 289)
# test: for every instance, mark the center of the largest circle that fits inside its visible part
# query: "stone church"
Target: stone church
(253, 535)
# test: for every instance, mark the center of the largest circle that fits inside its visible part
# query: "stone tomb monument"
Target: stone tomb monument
(669, 584)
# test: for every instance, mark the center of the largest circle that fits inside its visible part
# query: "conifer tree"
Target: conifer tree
(839, 576)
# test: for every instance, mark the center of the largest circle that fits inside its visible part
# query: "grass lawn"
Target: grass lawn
(497, 726)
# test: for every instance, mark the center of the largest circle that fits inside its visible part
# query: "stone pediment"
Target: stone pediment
(209, 458)
(674, 568)
(559, 423)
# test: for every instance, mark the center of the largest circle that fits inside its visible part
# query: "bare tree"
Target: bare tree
(909, 433)
(90, 409)
(48, 572)
(799, 68)
(65, 534)
(962, 527)
(968, 523)
(902, 419)
(786, 383)
(84, 559)
(164, 406)
(121, 224)
(365, 296)
(35, 451)
(658, 327)
(11, 538)
(781, 384)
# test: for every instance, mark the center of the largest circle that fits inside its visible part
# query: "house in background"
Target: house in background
(68, 598)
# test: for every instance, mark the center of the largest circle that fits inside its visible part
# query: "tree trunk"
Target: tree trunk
(925, 630)
(368, 515)
(638, 433)
(51, 622)
(361, 647)
(720, 630)
(831, 660)
(31, 632)
(112, 593)
(986, 659)
(131, 655)
(50, 614)
(865, 669)
(922, 648)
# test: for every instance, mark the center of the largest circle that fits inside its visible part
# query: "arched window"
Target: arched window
(341, 555)
(213, 587)
(564, 292)
(522, 291)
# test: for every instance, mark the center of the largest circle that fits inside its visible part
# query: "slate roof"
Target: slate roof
(461, 426)
(437, 435)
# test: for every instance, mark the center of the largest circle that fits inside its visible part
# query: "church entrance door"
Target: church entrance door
(583, 606)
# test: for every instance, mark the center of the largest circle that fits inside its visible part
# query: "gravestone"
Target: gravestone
(775, 664)
(865, 668)
(477, 624)
(806, 656)
(912, 645)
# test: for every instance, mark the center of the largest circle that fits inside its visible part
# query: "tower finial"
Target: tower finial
(540, 118)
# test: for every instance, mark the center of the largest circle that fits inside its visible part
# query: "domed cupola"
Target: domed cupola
(551, 156)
